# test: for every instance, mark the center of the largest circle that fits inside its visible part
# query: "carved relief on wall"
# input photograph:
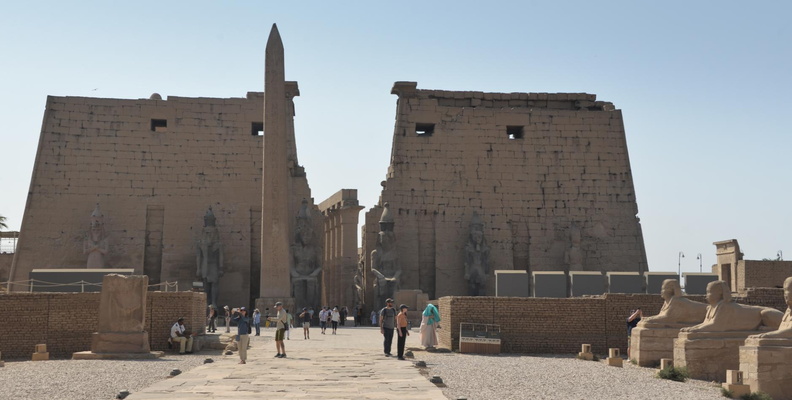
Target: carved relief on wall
(476, 258)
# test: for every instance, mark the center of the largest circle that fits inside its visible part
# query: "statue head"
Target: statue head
(209, 218)
(670, 289)
(97, 223)
(304, 229)
(788, 291)
(386, 220)
(717, 291)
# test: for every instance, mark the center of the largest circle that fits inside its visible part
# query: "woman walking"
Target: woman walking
(257, 321)
(429, 324)
(335, 316)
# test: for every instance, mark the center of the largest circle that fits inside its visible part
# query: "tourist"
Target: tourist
(281, 320)
(323, 319)
(401, 329)
(305, 318)
(430, 321)
(334, 318)
(387, 317)
(329, 316)
(344, 314)
(212, 319)
(243, 332)
(289, 325)
(632, 321)
(373, 318)
(266, 318)
(227, 318)
(257, 321)
(180, 335)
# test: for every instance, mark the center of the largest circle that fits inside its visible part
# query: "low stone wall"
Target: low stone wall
(65, 321)
(561, 325)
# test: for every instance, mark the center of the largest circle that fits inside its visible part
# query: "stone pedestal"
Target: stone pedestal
(707, 355)
(120, 342)
(41, 353)
(585, 352)
(649, 345)
(614, 357)
(767, 366)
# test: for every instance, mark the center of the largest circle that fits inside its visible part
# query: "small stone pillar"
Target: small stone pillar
(41, 353)
(734, 384)
(585, 352)
(2, 363)
(666, 363)
(614, 358)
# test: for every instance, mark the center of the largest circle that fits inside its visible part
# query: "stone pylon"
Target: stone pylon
(275, 215)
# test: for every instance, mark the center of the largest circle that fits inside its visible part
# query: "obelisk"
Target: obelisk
(275, 216)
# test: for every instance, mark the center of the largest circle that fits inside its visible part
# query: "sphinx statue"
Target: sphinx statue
(677, 311)
(385, 259)
(306, 268)
(209, 258)
(95, 243)
(653, 338)
(476, 258)
(766, 358)
(712, 347)
(724, 315)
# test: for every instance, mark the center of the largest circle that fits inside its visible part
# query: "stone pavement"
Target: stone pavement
(348, 365)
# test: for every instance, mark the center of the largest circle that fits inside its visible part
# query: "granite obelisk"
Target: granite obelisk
(275, 215)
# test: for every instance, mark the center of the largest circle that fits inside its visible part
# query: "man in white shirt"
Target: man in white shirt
(180, 335)
(323, 319)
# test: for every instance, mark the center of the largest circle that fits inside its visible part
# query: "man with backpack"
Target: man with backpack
(387, 324)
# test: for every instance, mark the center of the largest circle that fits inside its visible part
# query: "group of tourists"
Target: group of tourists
(391, 320)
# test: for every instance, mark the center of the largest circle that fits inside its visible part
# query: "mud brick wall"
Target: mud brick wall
(532, 165)
(762, 274)
(545, 325)
(5, 267)
(66, 321)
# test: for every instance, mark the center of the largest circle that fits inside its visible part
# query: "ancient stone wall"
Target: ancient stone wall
(547, 325)
(65, 321)
(340, 260)
(533, 165)
(762, 274)
(5, 267)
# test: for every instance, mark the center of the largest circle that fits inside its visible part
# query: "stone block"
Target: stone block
(654, 280)
(615, 362)
(696, 283)
(550, 284)
(120, 342)
(649, 346)
(708, 355)
(2, 363)
(40, 356)
(625, 282)
(407, 297)
(666, 363)
(586, 283)
(41, 348)
(614, 352)
(512, 283)
(738, 390)
(766, 364)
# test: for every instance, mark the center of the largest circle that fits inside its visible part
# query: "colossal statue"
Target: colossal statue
(476, 258)
(306, 268)
(209, 258)
(677, 311)
(385, 259)
(95, 243)
(724, 315)
(360, 283)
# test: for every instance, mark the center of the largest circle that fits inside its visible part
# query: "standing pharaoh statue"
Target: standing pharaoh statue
(573, 257)
(360, 282)
(306, 269)
(95, 244)
(476, 258)
(385, 260)
(209, 261)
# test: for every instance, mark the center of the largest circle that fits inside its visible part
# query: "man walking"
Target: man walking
(243, 332)
(180, 335)
(305, 318)
(387, 323)
(323, 319)
(401, 328)
(281, 320)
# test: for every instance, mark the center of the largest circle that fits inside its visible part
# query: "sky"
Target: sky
(704, 87)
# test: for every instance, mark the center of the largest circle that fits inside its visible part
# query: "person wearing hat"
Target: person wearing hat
(212, 319)
(180, 335)
(243, 332)
(281, 319)
(387, 323)
(227, 319)
(305, 318)
(401, 329)
(257, 321)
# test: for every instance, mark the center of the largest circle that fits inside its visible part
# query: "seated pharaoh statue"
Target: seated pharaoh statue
(724, 315)
(677, 311)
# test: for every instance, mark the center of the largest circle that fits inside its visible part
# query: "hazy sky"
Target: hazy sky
(705, 88)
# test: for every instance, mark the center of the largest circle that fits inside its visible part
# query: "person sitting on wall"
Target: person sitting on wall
(677, 311)
(785, 329)
(180, 334)
(724, 315)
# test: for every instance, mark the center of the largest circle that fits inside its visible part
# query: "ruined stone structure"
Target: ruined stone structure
(740, 274)
(341, 212)
(548, 174)
(155, 165)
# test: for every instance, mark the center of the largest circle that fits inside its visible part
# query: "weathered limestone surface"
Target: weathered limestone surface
(122, 315)
(767, 365)
(707, 355)
(532, 165)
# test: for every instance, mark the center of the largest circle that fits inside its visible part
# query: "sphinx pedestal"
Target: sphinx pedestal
(649, 345)
(767, 366)
(707, 355)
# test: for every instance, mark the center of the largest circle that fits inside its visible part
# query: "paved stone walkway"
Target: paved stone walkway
(348, 365)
